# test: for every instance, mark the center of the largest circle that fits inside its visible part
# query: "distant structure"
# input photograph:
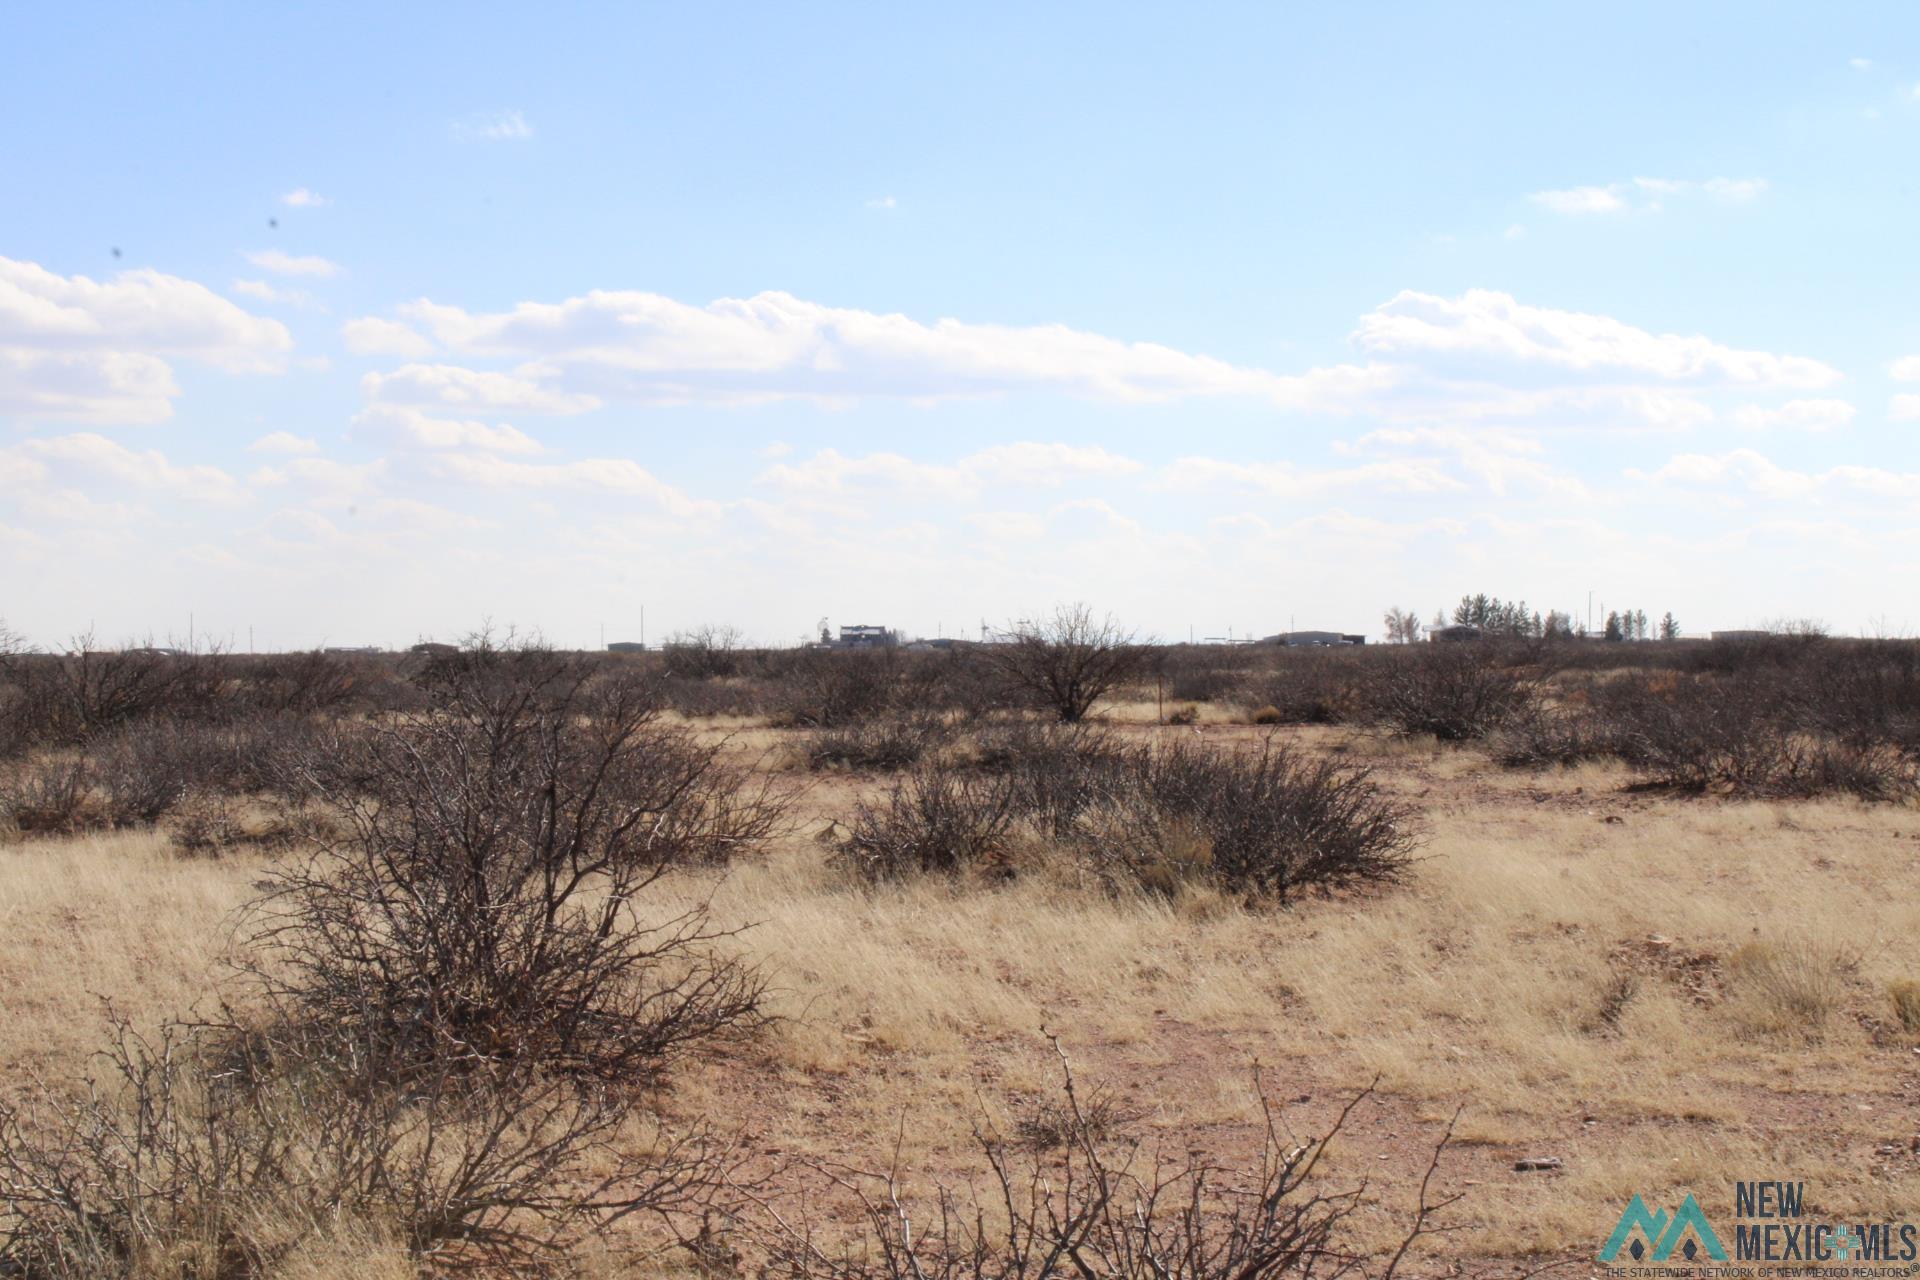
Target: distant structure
(1741, 635)
(354, 648)
(627, 646)
(864, 636)
(434, 648)
(1457, 632)
(152, 651)
(1313, 639)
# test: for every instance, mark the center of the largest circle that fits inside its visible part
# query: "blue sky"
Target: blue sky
(1214, 319)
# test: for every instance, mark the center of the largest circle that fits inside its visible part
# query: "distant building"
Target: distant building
(346, 649)
(627, 646)
(1458, 631)
(861, 636)
(155, 651)
(434, 648)
(1313, 639)
(1741, 635)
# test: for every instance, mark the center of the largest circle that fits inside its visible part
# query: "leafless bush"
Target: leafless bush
(1067, 661)
(484, 889)
(1305, 688)
(206, 1154)
(936, 819)
(1452, 692)
(890, 743)
(1101, 1207)
(1269, 825)
(49, 795)
(708, 652)
(1056, 770)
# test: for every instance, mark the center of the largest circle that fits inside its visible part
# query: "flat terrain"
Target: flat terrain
(1664, 993)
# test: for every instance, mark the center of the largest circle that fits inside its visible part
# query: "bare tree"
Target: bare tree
(1403, 626)
(485, 881)
(1068, 661)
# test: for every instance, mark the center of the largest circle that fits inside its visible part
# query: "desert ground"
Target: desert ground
(1660, 992)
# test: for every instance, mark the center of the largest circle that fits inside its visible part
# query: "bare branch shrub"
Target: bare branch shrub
(483, 889)
(936, 819)
(1067, 661)
(1101, 1207)
(208, 1154)
(1454, 692)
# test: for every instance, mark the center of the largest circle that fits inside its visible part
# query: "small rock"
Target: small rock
(1536, 1164)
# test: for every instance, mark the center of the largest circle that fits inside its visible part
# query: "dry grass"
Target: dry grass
(1666, 993)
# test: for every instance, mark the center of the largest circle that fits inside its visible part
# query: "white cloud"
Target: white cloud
(1757, 474)
(1287, 480)
(1904, 408)
(1580, 200)
(283, 442)
(72, 347)
(1798, 415)
(301, 198)
(1645, 194)
(620, 477)
(411, 428)
(883, 202)
(1026, 464)
(287, 264)
(1516, 232)
(97, 460)
(652, 349)
(1905, 369)
(450, 386)
(1860, 64)
(372, 336)
(1490, 326)
(498, 126)
(265, 292)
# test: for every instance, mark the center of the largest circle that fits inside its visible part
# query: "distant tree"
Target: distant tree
(1640, 624)
(1069, 660)
(1669, 629)
(1557, 625)
(1403, 626)
(706, 652)
(1616, 630)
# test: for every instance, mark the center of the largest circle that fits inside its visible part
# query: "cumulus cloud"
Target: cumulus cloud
(1645, 194)
(652, 349)
(93, 461)
(410, 428)
(1796, 415)
(1289, 480)
(73, 347)
(265, 292)
(1026, 463)
(1904, 408)
(301, 198)
(287, 264)
(283, 442)
(1495, 328)
(1755, 473)
(620, 477)
(1905, 369)
(450, 386)
(373, 336)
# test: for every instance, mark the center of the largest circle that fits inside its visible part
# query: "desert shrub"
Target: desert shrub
(936, 819)
(1453, 692)
(1184, 715)
(482, 886)
(1067, 661)
(703, 699)
(706, 652)
(218, 1157)
(1056, 770)
(49, 795)
(1304, 688)
(1542, 737)
(1089, 1201)
(1742, 736)
(1269, 825)
(890, 743)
